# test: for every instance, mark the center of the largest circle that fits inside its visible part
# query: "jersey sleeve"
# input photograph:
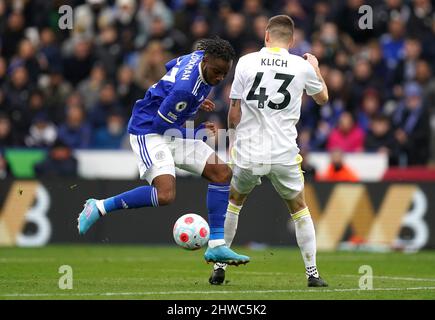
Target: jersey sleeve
(172, 109)
(169, 65)
(313, 85)
(237, 86)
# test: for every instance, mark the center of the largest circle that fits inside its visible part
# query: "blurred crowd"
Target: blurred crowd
(76, 88)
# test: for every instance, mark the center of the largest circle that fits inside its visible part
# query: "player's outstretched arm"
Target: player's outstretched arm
(322, 97)
(234, 116)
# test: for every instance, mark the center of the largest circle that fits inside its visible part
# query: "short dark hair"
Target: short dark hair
(281, 27)
(217, 48)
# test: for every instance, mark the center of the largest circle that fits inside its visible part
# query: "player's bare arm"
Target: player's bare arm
(322, 97)
(234, 116)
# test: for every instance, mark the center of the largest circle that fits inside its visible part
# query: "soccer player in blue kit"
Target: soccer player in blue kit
(161, 143)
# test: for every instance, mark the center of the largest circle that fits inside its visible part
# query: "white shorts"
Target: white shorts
(157, 155)
(288, 180)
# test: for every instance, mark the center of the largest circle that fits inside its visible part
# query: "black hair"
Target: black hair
(217, 48)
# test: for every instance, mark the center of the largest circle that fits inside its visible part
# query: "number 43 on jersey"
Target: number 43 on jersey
(262, 97)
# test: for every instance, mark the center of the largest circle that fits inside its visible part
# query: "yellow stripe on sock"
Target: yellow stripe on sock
(302, 213)
(233, 209)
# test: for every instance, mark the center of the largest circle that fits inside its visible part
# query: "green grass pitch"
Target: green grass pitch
(171, 273)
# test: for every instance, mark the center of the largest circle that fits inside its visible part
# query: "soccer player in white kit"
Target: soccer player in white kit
(265, 106)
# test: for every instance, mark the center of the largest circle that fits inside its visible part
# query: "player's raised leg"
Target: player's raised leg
(219, 174)
(306, 238)
(160, 173)
(162, 192)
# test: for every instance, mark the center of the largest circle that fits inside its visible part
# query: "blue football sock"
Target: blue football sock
(145, 196)
(217, 203)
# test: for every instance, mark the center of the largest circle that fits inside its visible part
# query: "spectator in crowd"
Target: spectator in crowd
(7, 137)
(300, 43)
(423, 76)
(17, 91)
(60, 162)
(393, 43)
(421, 20)
(112, 135)
(49, 54)
(363, 79)
(406, 67)
(108, 50)
(107, 103)
(370, 107)
(13, 34)
(42, 132)
(337, 170)
(172, 40)
(380, 138)
(126, 89)
(56, 92)
(3, 71)
(75, 132)
(5, 170)
(148, 9)
(27, 57)
(78, 66)
(347, 136)
(387, 10)
(151, 65)
(412, 127)
(234, 31)
(378, 63)
(88, 15)
(124, 14)
(18, 88)
(199, 29)
(90, 88)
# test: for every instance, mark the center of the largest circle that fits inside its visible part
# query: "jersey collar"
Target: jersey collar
(275, 50)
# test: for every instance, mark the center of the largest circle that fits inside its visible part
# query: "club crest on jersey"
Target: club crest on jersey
(180, 106)
(160, 155)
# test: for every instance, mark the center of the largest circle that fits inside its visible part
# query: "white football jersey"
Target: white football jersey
(270, 84)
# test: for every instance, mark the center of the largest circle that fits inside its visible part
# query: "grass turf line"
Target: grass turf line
(155, 272)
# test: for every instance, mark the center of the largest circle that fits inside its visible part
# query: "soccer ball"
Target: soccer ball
(191, 231)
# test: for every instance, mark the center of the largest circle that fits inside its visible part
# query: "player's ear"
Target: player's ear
(266, 37)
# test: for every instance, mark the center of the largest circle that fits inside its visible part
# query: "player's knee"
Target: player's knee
(224, 175)
(166, 196)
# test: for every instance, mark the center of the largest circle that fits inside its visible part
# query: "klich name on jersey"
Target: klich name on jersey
(273, 62)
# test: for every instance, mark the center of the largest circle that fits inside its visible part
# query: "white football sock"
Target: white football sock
(231, 222)
(216, 243)
(100, 206)
(306, 239)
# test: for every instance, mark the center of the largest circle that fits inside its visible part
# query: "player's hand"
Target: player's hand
(211, 127)
(311, 59)
(207, 105)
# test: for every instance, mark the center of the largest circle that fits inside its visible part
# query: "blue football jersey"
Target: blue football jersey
(173, 100)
